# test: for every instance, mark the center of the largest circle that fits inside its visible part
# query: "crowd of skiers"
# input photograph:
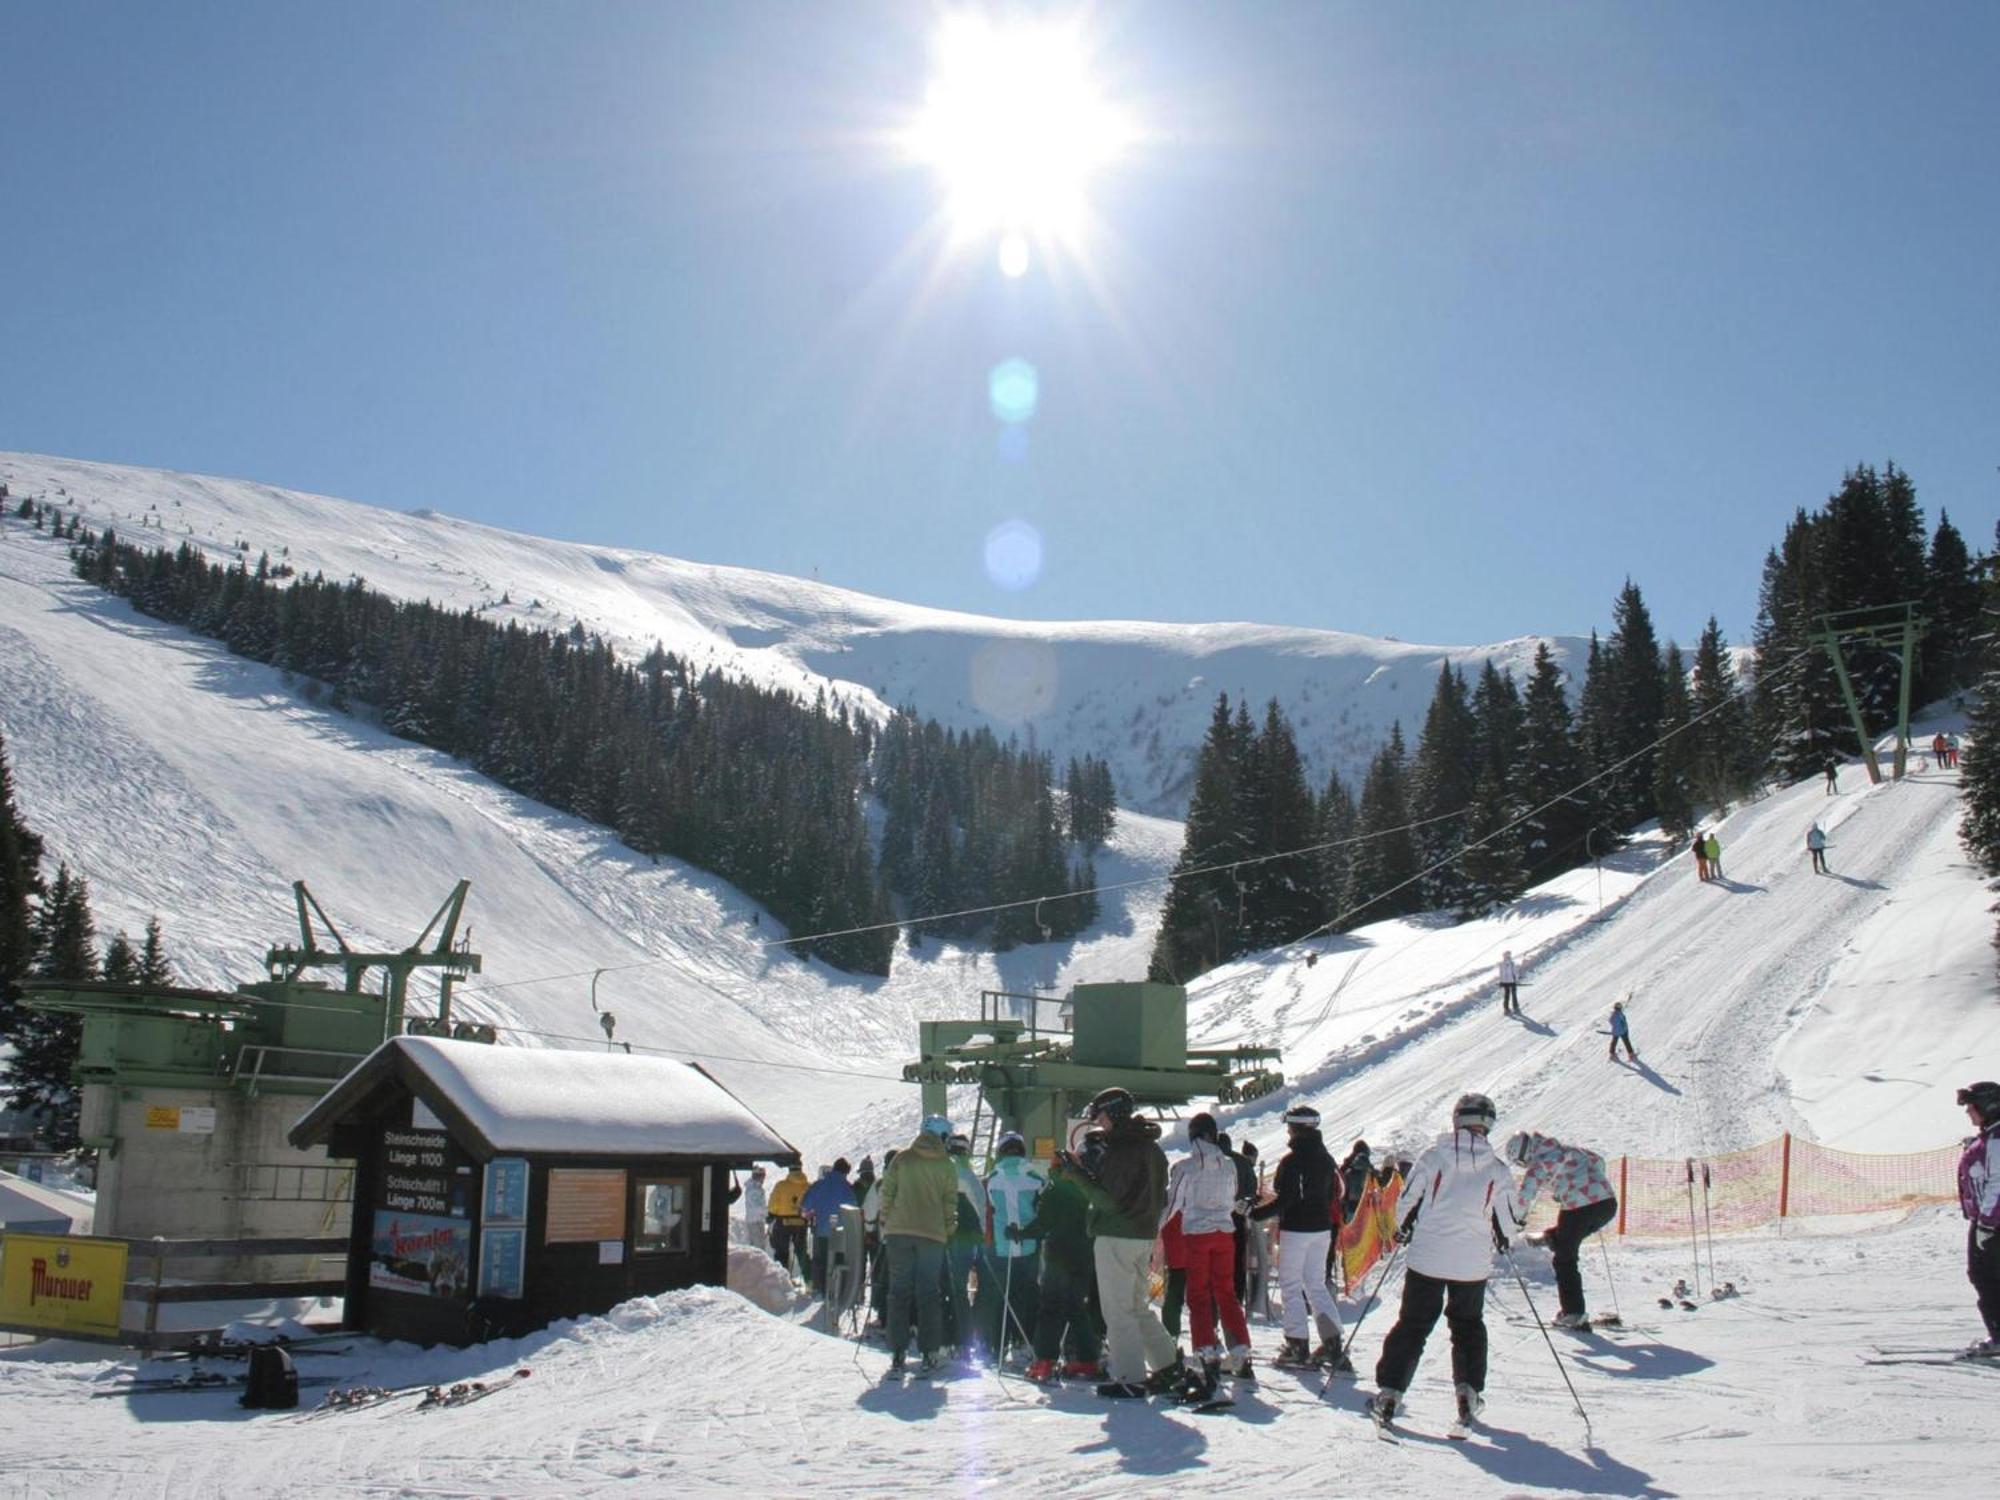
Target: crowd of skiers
(1063, 1260)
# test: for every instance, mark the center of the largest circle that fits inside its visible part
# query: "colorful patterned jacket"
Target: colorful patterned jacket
(1574, 1177)
(1979, 1178)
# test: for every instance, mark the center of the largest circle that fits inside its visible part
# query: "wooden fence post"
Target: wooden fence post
(1785, 1178)
(1624, 1199)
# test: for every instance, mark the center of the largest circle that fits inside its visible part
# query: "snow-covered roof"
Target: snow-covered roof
(25, 1205)
(541, 1101)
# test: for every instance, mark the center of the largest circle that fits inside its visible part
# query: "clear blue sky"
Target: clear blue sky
(1434, 321)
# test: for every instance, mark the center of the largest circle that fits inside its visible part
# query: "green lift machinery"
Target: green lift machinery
(1035, 1069)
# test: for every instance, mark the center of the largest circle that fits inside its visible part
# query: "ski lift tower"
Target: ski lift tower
(1894, 627)
(1037, 1060)
(456, 959)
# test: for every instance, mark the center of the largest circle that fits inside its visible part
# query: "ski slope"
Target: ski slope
(1845, 1007)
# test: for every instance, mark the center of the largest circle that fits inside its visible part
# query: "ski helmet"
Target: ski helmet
(1111, 1104)
(1984, 1097)
(1518, 1146)
(1473, 1111)
(938, 1126)
(840, 1166)
(1011, 1144)
(1202, 1127)
(1302, 1115)
(959, 1145)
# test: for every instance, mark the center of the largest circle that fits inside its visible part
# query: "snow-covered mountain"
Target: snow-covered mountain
(190, 783)
(1137, 695)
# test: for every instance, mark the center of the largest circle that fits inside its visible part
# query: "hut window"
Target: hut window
(664, 1227)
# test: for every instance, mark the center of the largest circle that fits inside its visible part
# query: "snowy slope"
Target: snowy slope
(1845, 1007)
(1139, 695)
(698, 1393)
(189, 783)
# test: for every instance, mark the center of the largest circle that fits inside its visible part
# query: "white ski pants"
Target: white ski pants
(1302, 1285)
(1139, 1341)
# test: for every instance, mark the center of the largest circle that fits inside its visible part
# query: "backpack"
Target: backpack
(273, 1381)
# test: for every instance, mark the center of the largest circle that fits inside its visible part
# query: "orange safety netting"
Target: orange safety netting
(1785, 1178)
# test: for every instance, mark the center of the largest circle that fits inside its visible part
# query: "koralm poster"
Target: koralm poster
(420, 1253)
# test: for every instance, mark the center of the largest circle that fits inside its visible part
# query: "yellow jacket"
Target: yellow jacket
(784, 1200)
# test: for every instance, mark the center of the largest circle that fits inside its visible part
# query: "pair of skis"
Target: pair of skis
(197, 1380)
(1921, 1355)
(364, 1397)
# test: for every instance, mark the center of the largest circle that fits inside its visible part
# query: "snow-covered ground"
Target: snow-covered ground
(1846, 1007)
(1765, 1395)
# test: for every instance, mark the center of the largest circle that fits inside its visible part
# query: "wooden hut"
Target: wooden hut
(499, 1188)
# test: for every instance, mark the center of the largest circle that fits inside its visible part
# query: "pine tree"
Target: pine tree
(1492, 862)
(1280, 895)
(1551, 769)
(1674, 765)
(121, 961)
(1337, 823)
(154, 969)
(1632, 665)
(1725, 764)
(1199, 926)
(1441, 787)
(45, 1044)
(20, 887)
(1385, 854)
(1950, 648)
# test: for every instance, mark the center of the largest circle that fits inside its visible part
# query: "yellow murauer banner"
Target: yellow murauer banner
(62, 1284)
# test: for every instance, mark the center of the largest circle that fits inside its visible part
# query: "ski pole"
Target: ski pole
(1589, 1437)
(1610, 1280)
(1347, 1344)
(1708, 1228)
(1694, 1241)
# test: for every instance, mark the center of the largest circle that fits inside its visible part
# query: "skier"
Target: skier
(788, 1224)
(821, 1205)
(1816, 846)
(1171, 1255)
(1832, 768)
(754, 1209)
(919, 1212)
(1576, 1179)
(1202, 1192)
(1246, 1194)
(1510, 985)
(1354, 1174)
(1130, 1172)
(1940, 752)
(1458, 1204)
(1066, 1317)
(1712, 847)
(1951, 749)
(1700, 855)
(1305, 1204)
(1012, 1190)
(878, 1255)
(963, 1255)
(1979, 1200)
(1621, 1031)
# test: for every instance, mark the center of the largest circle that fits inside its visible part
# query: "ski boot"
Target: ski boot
(1168, 1378)
(1383, 1406)
(1470, 1405)
(1570, 1320)
(1043, 1372)
(1198, 1382)
(1331, 1357)
(928, 1366)
(1122, 1390)
(1984, 1349)
(1083, 1369)
(1240, 1367)
(1295, 1355)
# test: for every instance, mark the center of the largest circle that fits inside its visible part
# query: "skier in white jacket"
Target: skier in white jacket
(1459, 1202)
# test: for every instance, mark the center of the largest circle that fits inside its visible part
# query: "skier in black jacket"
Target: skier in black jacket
(1131, 1179)
(1066, 1313)
(1307, 1207)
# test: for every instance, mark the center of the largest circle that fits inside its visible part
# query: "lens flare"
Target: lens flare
(1014, 256)
(1013, 390)
(1014, 555)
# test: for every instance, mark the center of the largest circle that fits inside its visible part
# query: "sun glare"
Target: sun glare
(1013, 124)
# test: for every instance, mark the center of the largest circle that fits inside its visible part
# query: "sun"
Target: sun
(1014, 125)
